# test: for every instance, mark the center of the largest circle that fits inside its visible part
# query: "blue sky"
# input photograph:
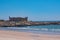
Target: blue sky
(36, 10)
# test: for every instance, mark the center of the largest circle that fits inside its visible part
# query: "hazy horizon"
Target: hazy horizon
(35, 10)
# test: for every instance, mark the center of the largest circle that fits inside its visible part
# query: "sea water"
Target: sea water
(46, 29)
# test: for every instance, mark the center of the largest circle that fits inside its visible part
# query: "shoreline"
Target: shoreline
(13, 35)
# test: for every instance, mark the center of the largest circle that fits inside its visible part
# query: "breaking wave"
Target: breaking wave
(36, 29)
(47, 28)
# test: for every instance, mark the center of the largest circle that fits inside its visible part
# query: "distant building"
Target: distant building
(1, 20)
(18, 19)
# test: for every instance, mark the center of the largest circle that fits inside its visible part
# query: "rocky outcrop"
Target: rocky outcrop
(28, 23)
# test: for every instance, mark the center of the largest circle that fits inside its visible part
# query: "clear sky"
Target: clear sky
(36, 10)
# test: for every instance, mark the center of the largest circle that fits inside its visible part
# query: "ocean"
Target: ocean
(45, 29)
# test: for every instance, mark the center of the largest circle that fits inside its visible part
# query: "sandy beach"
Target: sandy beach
(13, 35)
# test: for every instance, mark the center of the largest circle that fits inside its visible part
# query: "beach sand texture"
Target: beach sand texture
(13, 35)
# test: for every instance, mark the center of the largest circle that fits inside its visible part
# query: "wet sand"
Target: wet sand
(13, 35)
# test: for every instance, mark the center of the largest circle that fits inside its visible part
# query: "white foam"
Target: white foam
(44, 29)
(55, 30)
(28, 28)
